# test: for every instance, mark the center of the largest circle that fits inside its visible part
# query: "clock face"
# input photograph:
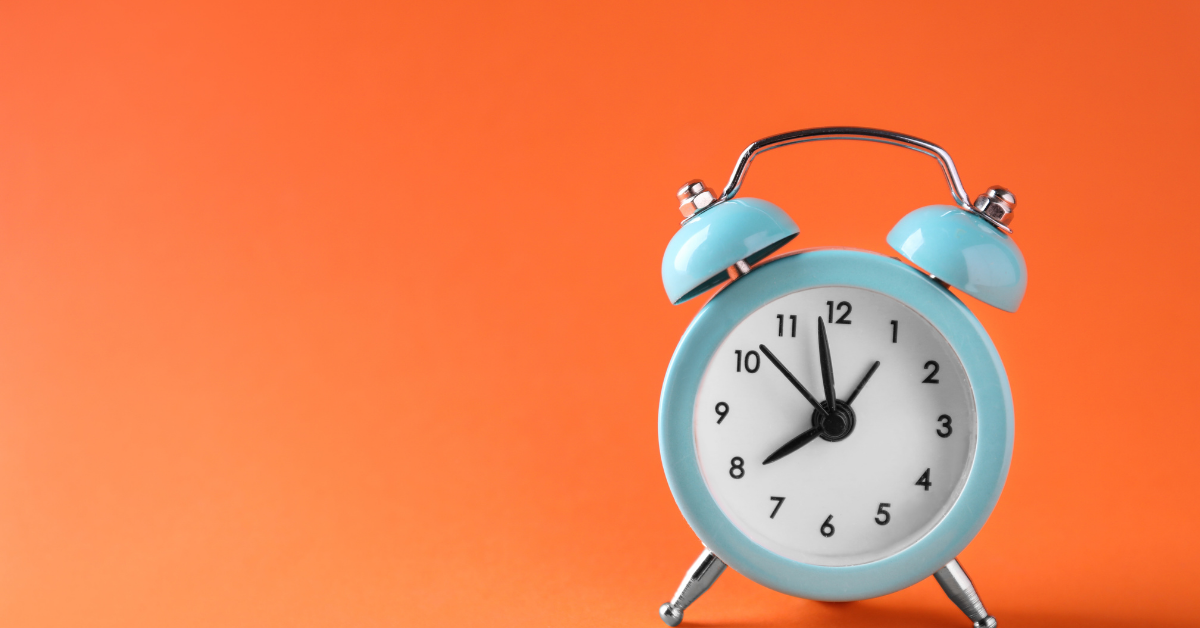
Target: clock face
(845, 484)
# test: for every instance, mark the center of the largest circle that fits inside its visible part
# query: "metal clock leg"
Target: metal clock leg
(958, 586)
(703, 573)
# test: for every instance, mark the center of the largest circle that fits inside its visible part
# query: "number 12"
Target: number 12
(842, 320)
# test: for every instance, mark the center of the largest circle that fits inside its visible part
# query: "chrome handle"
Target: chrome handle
(848, 133)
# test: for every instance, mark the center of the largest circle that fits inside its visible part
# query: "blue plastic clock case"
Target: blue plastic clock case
(822, 267)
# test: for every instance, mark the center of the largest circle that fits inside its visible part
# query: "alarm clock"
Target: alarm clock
(836, 424)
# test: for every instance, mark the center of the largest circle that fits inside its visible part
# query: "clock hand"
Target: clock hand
(808, 436)
(792, 378)
(871, 372)
(826, 365)
(794, 444)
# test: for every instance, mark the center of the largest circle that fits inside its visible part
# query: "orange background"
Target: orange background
(350, 315)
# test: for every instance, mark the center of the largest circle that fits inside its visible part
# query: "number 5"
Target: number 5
(887, 516)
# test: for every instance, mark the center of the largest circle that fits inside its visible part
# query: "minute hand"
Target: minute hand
(792, 378)
(826, 365)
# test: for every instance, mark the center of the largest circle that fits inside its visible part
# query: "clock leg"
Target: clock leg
(958, 586)
(703, 573)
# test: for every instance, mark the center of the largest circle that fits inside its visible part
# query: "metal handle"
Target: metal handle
(848, 133)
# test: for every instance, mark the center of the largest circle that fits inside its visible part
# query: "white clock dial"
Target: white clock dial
(877, 475)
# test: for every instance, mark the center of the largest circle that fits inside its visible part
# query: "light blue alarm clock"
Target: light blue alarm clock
(836, 424)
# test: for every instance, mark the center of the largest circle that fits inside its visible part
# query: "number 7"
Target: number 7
(779, 502)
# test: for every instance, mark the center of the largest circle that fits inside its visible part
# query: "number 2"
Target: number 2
(930, 379)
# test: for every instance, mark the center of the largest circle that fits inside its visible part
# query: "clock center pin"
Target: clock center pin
(836, 425)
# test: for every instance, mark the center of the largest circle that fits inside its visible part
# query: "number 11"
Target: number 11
(793, 317)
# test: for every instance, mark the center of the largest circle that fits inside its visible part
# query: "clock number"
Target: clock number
(793, 317)
(737, 468)
(752, 354)
(842, 320)
(751, 365)
(930, 379)
(895, 328)
(924, 480)
(945, 419)
(778, 502)
(722, 410)
(882, 512)
(827, 528)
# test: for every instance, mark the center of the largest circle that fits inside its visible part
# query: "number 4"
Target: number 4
(924, 480)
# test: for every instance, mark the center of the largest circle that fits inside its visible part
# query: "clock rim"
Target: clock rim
(811, 268)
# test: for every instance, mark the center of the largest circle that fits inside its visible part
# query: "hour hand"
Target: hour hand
(794, 444)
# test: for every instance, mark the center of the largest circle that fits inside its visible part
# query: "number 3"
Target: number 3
(945, 419)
